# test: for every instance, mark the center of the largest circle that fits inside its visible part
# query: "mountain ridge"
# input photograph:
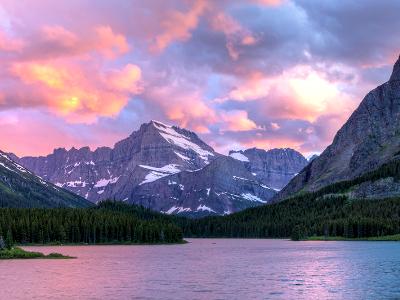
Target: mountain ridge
(369, 138)
(152, 152)
(21, 188)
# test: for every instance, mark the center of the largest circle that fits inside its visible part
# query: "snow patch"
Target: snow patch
(76, 183)
(240, 178)
(205, 208)
(182, 156)
(157, 173)
(173, 137)
(177, 210)
(104, 182)
(252, 198)
(239, 156)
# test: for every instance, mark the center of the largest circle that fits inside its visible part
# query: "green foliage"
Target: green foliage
(2, 243)
(327, 212)
(9, 243)
(22, 189)
(298, 233)
(18, 253)
(110, 222)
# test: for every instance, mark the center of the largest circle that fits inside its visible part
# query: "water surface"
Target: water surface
(210, 269)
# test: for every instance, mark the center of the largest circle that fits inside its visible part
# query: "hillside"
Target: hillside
(369, 139)
(334, 210)
(21, 188)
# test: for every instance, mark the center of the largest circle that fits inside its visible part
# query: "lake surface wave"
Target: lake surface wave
(210, 269)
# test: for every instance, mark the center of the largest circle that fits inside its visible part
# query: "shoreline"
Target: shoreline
(385, 238)
(19, 253)
(101, 244)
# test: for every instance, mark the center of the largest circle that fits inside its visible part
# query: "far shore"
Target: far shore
(385, 238)
(101, 244)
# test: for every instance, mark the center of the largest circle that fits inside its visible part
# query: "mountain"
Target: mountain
(224, 186)
(153, 164)
(21, 188)
(275, 167)
(312, 157)
(369, 139)
(154, 151)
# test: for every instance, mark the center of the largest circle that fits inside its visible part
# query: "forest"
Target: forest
(326, 212)
(110, 222)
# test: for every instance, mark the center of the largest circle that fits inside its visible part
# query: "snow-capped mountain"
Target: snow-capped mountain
(21, 188)
(155, 164)
(222, 187)
(154, 151)
(275, 167)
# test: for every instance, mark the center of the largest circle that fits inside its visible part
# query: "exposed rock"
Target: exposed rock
(21, 188)
(383, 188)
(154, 151)
(368, 139)
(275, 167)
(224, 186)
(141, 168)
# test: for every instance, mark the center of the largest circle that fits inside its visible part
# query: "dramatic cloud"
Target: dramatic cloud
(248, 73)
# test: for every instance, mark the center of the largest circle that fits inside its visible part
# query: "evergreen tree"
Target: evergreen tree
(9, 243)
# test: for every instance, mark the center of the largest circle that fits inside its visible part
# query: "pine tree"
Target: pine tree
(9, 243)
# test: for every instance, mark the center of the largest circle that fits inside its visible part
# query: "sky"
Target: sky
(241, 74)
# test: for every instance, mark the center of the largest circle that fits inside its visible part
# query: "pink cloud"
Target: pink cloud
(235, 34)
(237, 120)
(72, 91)
(110, 43)
(9, 44)
(177, 25)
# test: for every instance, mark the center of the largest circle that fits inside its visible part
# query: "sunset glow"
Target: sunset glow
(243, 74)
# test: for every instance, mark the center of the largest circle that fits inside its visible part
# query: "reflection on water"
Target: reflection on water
(210, 269)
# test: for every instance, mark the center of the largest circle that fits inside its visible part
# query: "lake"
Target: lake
(210, 269)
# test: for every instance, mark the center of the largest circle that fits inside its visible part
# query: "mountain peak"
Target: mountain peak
(396, 71)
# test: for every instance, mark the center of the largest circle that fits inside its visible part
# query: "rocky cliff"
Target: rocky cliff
(275, 167)
(370, 138)
(170, 169)
(21, 188)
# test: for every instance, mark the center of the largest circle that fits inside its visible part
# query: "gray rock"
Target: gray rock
(275, 167)
(370, 138)
(155, 150)
(141, 169)
(224, 186)
(382, 188)
(21, 188)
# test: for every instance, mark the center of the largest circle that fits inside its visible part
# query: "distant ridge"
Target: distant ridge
(21, 188)
(170, 169)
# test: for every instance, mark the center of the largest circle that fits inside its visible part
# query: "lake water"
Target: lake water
(210, 269)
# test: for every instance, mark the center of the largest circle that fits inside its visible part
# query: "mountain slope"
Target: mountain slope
(222, 187)
(154, 151)
(20, 188)
(139, 170)
(370, 138)
(275, 167)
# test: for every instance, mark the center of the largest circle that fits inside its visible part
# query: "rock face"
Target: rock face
(224, 186)
(154, 151)
(275, 168)
(368, 139)
(170, 169)
(21, 188)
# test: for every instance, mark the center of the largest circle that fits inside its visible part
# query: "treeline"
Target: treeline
(327, 212)
(110, 222)
(329, 216)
